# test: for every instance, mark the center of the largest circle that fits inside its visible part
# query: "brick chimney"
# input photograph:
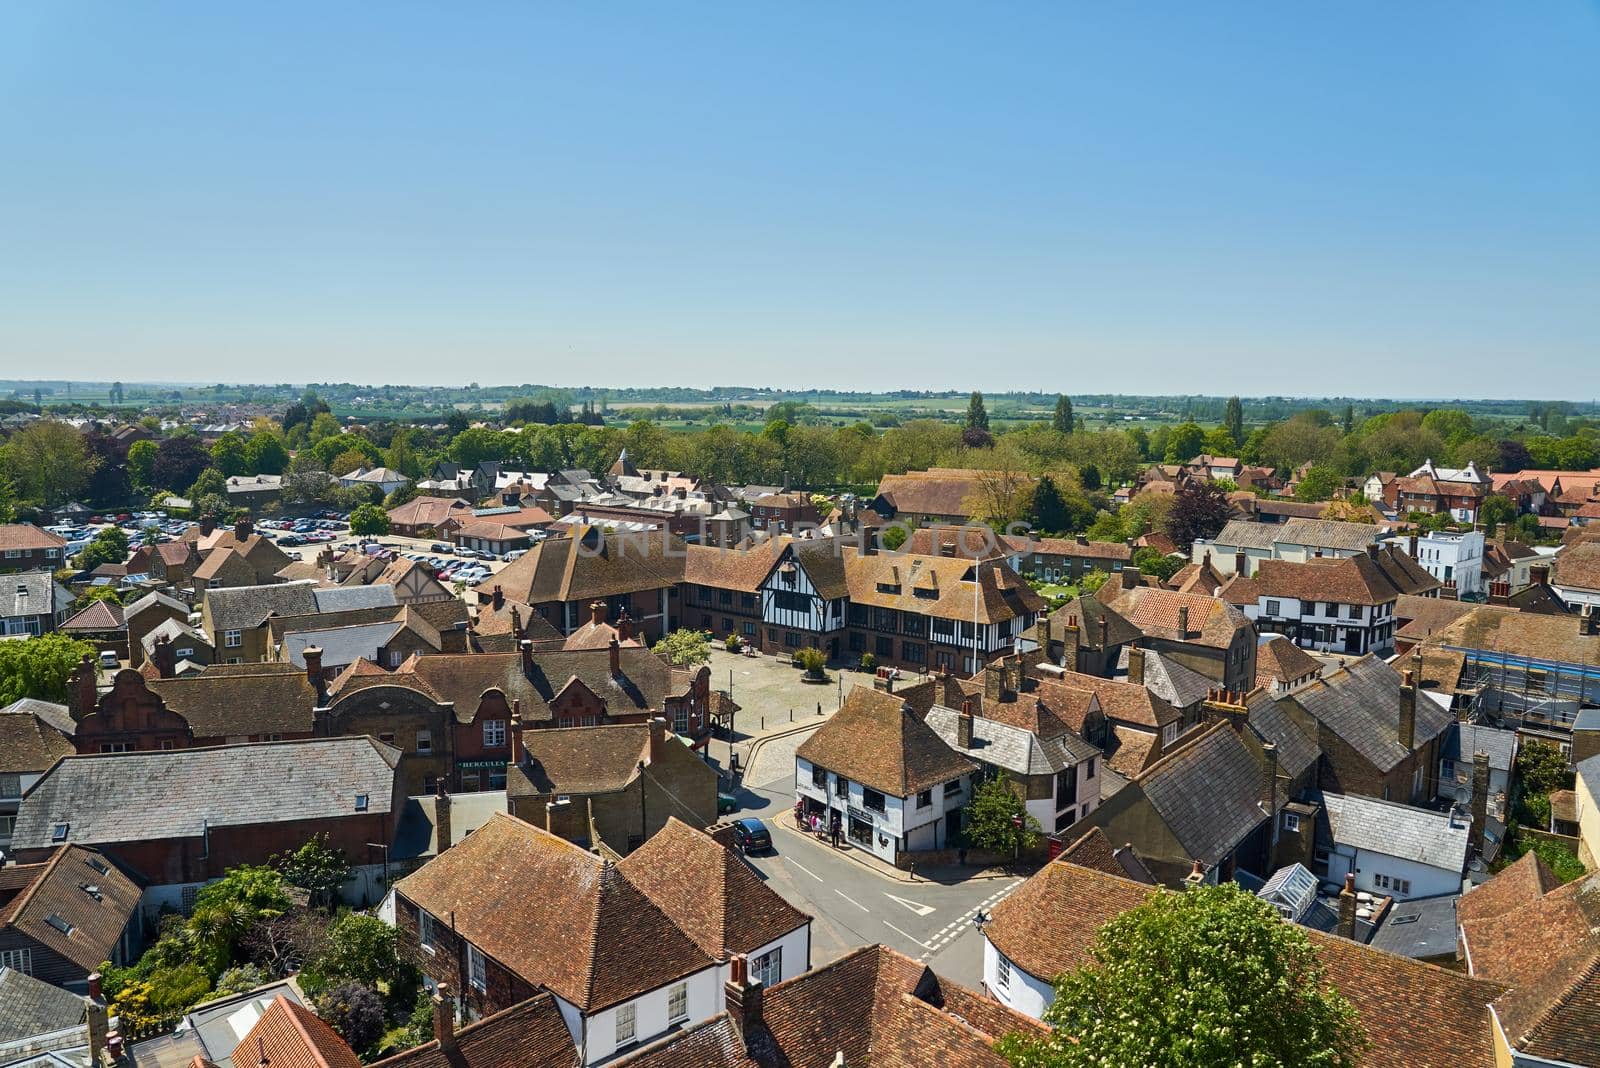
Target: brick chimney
(313, 655)
(1480, 799)
(208, 523)
(1045, 636)
(444, 1018)
(614, 651)
(1408, 711)
(743, 1000)
(164, 655)
(597, 613)
(441, 815)
(88, 692)
(964, 725)
(1269, 779)
(1069, 644)
(1347, 907)
(625, 627)
(98, 1020)
(1136, 665)
(243, 528)
(526, 645)
(498, 598)
(658, 738)
(1196, 876)
(1105, 633)
(994, 683)
(1183, 622)
(1130, 577)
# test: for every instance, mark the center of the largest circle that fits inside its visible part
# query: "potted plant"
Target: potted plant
(732, 644)
(868, 662)
(813, 661)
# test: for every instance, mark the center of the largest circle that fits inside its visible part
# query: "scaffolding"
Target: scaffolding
(1525, 691)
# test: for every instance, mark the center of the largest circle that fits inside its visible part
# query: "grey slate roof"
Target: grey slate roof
(31, 593)
(1297, 750)
(1397, 830)
(1361, 704)
(31, 1007)
(1328, 534)
(173, 631)
(344, 598)
(151, 600)
(1243, 534)
(1175, 684)
(1463, 740)
(48, 712)
(244, 607)
(340, 645)
(175, 793)
(1420, 929)
(1208, 793)
(1012, 748)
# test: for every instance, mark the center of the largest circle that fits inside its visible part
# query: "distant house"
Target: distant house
(33, 736)
(384, 479)
(32, 603)
(24, 547)
(429, 516)
(62, 915)
(254, 492)
(1241, 542)
(1393, 849)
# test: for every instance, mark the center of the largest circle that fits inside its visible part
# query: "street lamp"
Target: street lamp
(385, 848)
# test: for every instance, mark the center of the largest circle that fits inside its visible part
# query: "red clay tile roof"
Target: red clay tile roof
(939, 586)
(532, 1034)
(875, 741)
(1279, 659)
(1578, 566)
(554, 914)
(944, 491)
(709, 891)
(1212, 623)
(289, 1035)
(28, 744)
(58, 890)
(430, 511)
(27, 536)
(97, 615)
(590, 564)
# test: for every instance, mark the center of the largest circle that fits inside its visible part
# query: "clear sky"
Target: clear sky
(1362, 198)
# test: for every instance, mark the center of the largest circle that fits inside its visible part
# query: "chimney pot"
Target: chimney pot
(614, 651)
(242, 529)
(498, 599)
(1136, 665)
(526, 645)
(1183, 622)
(1347, 907)
(743, 997)
(444, 1018)
(597, 612)
(441, 816)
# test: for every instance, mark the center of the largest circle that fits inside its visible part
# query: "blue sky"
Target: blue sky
(1374, 199)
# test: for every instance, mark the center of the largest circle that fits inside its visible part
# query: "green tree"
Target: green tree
(265, 453)
(1207, 976)
(1233, 420)
(685, 648)
(998, 821)
(1049, 511)
(1348, 423)
(369, 519)
(141, 464)
(1320, 483)
(893, 537)
(210, 483)
(47, 463)
(1496, 509)
(1541, 769)
(1184, 443)
(317, 868)
(96, 593)
(1062, 420)
(229, 455)
(361, 949)
(179, 461)
(109, 546)
(40, 667)
(977, 416)
(1154, 562)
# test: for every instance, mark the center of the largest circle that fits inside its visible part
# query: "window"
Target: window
(476, 971)
(1002, 972)
(396, 657)
(424, 741)
(494, 733)
(924, 798)
(857, 642)
(791, 602)
(8, 826)
(841, 786)
(627, 1023)
(791, 640)
(872, 799)
(232, 639)
(10, 785)
(749, 630)
(952, 787)
(55, 920)
(1089, 771)
(678, 1003)
(20, 959)
(913, 652)
(1066, 787)
(883, 647)
(361, 802)
(1274, 608)
(819, 777)
(426, 935)
(12, 554)
(187, 897)
(768, 968)
(1389, 882)
(58, 833)
(725, 596)
(387, 737)
(1291, 822)
(1064, 820)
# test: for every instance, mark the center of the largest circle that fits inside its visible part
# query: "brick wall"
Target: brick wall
(447, 963)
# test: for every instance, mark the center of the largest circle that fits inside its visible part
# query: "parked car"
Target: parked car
(726, 803)
(439, 547)
(108, 659)
(751, 835)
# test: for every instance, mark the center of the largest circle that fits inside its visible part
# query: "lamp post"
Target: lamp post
(385, 848)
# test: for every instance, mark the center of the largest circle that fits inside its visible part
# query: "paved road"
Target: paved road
(853, 905)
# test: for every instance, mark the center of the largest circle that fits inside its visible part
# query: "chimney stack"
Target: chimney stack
(625, 627)
(1412, 545)
(1130, 577)
(1347, 908)
(88, 690)
(114, 1047)
(597, 613)
(526, 645)
(1539, 574)
(498, 598)
(1269, 785)
(743, 1000)
(1105, 633)
(1408, 711)
(1136, 665)
(242, 529)
(1183, 622)
(1196, 876)
(444, 1018)
(514, 731)
(964, 725)
(1069, 644)
(994, 682)
(614, 652)
(165, 657)
(99, 1022)
(658, 737)
(313, 656)
(208, 523)
(1480, 799)
(441, 816)
(1045, 637)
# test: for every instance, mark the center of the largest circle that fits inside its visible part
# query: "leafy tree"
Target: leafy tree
(109, 546)
(228, 454)
(1319, 484)
(1451, 424)
(1221, 443)
(1199, 510)
(179, 461)
(1184, 443)
(97, 593)
(998, 820)
(40, 667)
(1049, 512)
(1513, 456)
(317, 868)
(1207, 976)
(1347, 424)
(1541, 769)
(356, 1012)
(1090, 477)
(685, 648)
(239, 979)
(47, 463)
(1093, 580)
(975, 437)
(1154, 562)
(893, 537)
(348, 461)
(141, 464)
(1495, 510)
(1233, 419)
(369, 519)
(476, 444)
(977, 416)
(1061, 422)
(361, 949)
(209, 483)
(265, 453)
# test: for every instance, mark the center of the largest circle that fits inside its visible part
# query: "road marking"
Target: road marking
(920, 910)
(805, 869)
(959, 927)
(852, 901)
(902, 934)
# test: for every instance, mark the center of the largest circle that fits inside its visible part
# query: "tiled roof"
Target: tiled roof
(1082, 548)
(1519, 883)
(245, 607)
(938, 586)
(97, 615)
(1086, 613)
(1342, 580)
(28, 744)
(1327, 534)
(76, 889)
(589, 565)
(1208, 793)
(176, 793)
(531, 1034)
(1173, 683)
(1154, 612)
(430, 511)
(350, 598)
(1280, 660)
(48, 712)
(1121, 700)
(875, 741)
(709, 891)
(1130, 750)
(1494, 630)
(580, 760)
(221, 704)
(1016, 749)
(1433, 839)
(1463, 740)
(645, 682)
(1360, 703)
(31, 593)
(1244, 534)
(30, 1007)
(225, 565)
(1272, 722)
(937, 491)
(27, 536)
(1577, 567)
(1415, 1015)
(1094, 850)
(554, 914)
(289, 1035)
(872, 1007)
(151, 601)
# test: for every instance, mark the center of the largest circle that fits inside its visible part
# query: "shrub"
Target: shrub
(868, 662)
(356, 1012)
(732, 645)
(812, 660)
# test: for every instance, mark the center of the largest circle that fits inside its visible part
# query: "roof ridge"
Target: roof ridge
(1589, 972)
(25, 898)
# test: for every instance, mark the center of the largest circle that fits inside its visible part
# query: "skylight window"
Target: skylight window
(55, 920)
(58, 833)
(361, 802)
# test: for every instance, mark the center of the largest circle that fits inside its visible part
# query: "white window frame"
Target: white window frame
(768, 967)
(232, 639)
(477, 969)
(627, 1023)
(426, 935)
(20, 959)
(1002, 971)
(424, 741)
(1291, 822)
(678, 1003)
